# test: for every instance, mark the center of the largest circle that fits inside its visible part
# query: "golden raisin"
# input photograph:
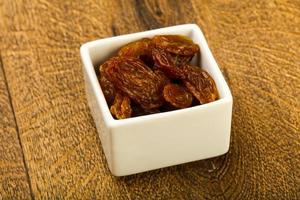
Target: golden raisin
(176, 44)
(107, 87)
(141, 49)
(121, 108)
(177, 96)
(136, 80)
(200, 84)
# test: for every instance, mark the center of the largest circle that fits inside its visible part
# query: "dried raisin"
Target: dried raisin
(200, 84)
(163, 61)
(121, 108)
(135, 79)
(177, 96)
(179, 60)
(107, 87)
(141, 49)
(161, 76)
(176, 44)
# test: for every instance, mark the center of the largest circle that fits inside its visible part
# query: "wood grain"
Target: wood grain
(13, 180)
(256, 44)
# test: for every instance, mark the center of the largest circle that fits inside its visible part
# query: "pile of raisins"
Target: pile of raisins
(154, 75)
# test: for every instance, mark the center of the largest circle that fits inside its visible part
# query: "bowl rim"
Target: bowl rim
(96, 88)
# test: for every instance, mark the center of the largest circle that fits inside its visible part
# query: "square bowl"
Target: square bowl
(154, 141)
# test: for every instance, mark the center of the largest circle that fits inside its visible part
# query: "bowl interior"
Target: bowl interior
(101, 50)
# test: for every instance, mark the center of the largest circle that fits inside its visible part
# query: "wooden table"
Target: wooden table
(49, 148)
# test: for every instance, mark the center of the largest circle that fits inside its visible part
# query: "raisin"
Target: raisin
(136, 80)
(161, 75)
(200, 84)
(141, 49)
(107, 87)
(121, 108)
(176, 44)
(163, 61)
(179, 60)
(177, 96)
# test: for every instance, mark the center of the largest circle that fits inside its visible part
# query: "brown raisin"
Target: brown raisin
(136, 80)
(200, 84)
(163, 61)
(177, 96)
(141, 49)
(161, 75)
(107, 87)
(179, 60)
(176, 44)
(121, 108)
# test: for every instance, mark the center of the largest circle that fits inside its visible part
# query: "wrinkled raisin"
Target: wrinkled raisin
(107, 87)
(141, 49)
(136, 80)
(179, 60)
(176, 44)
(200, 84)
(121, 108)
(163, 61)
(161, 75)
(177, 96)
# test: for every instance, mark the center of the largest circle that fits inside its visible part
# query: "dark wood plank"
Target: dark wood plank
(257, 47)
(13, 179)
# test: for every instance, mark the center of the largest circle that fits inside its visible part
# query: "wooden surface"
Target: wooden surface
(13, 176)
(46, 121)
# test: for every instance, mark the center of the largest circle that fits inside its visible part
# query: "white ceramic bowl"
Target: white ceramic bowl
(159, 140)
